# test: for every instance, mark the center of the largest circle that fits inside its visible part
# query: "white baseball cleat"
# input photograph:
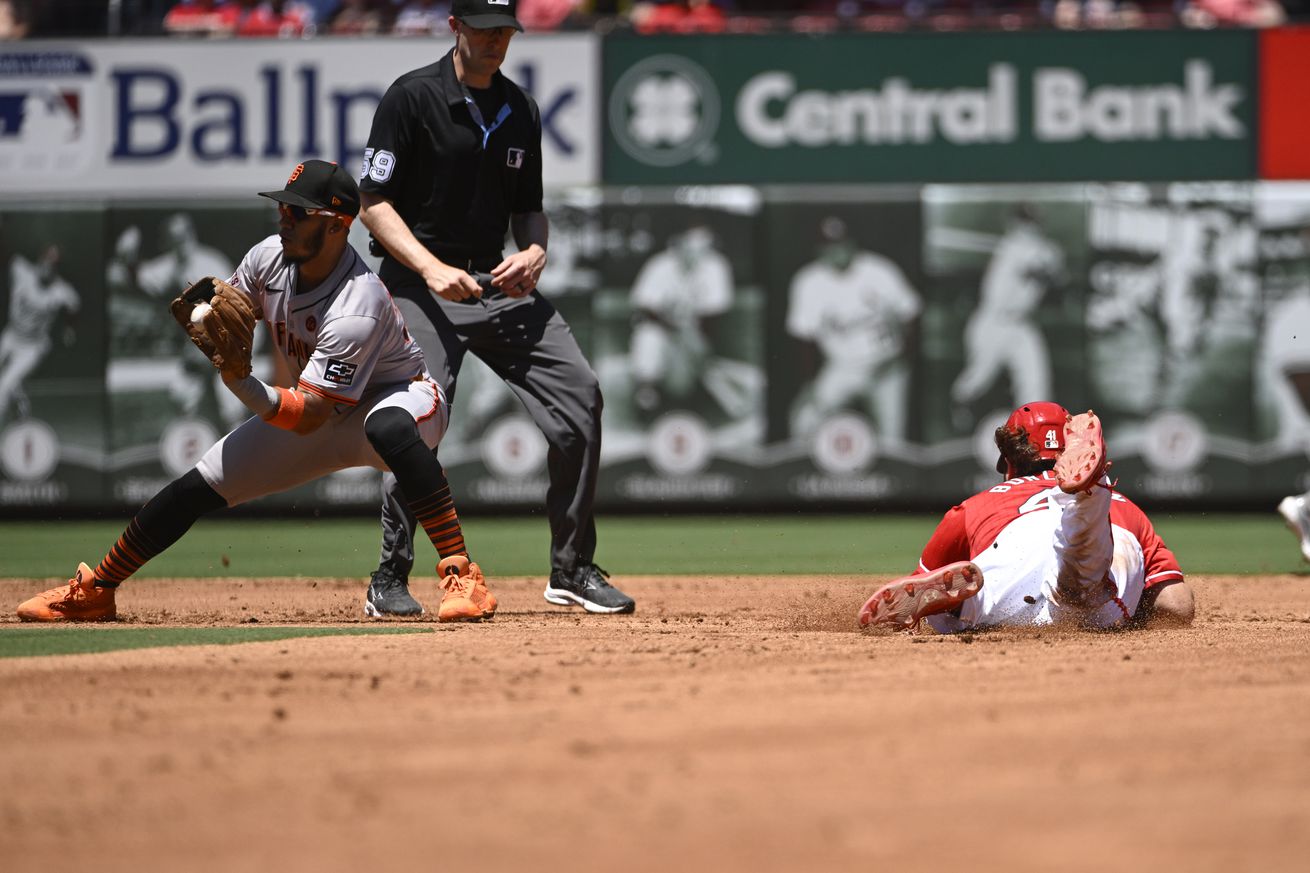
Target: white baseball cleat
(1297, 515)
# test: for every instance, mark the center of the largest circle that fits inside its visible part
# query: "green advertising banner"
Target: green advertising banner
(1030, 107)
(1003, 323)
(678, 328)
(846, 297)
(52, 355)
(167, 404)
(1173, 326)
(818, 346)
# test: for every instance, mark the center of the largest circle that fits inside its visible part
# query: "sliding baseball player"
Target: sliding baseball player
(1052, 543)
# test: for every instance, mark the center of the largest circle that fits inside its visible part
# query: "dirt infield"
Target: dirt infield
(733, 724)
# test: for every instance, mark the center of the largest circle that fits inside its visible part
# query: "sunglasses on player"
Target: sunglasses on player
(300, 213)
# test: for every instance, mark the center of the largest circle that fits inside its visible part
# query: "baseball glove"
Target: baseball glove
(224, 329)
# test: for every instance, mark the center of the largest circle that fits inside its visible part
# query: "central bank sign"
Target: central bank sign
(228, 118)
(951, 107)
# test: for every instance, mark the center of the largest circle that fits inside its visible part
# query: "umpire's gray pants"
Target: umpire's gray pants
(528, 344)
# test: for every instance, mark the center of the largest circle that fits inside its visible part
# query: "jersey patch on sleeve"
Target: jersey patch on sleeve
(339, 372)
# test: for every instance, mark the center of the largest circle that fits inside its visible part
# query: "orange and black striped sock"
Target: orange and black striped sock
(127, 556)
(394, 436)
(436, 513)
(159, 524)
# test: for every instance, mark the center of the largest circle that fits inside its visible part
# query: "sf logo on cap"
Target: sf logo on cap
(295, 174)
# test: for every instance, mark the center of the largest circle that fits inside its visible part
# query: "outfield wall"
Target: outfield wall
(1111, 220)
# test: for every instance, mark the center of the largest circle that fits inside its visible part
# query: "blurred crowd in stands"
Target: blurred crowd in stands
(410, 18)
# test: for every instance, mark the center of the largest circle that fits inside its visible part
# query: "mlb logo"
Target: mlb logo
(514, 159)
(1052, 441)
(46, 113)
(42, 116)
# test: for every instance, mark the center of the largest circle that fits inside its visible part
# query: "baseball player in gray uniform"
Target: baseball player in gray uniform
(363, 398)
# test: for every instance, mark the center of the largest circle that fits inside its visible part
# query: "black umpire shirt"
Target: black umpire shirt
(455, 163)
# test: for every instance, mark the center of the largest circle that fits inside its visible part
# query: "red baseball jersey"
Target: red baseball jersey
(969, 529)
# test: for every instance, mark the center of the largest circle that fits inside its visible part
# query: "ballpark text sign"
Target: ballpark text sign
(185, 118)
(930, 107)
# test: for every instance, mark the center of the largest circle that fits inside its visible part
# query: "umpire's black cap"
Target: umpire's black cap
(318, 184)
(483, 14)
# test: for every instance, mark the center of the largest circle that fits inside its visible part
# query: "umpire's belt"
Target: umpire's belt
(462, 259)
(396, 274)
(473, 265)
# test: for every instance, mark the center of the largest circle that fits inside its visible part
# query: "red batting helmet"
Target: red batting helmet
(1043, 421)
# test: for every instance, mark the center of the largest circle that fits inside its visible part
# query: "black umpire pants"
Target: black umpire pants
(527, 343)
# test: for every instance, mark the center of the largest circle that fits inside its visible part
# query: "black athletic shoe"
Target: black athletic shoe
(388, 594)
(587, 587)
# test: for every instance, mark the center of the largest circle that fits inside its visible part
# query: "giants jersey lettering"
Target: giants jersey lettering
(968, 530)
(338, 339)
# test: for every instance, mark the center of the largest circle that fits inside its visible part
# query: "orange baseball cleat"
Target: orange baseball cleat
(1083, 461)
(904, 603)
(457, 603)
(482, 596)
(79, 600)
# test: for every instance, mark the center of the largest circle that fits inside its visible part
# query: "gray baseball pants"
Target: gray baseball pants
(528, 344)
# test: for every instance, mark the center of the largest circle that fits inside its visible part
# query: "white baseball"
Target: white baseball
(198, 314)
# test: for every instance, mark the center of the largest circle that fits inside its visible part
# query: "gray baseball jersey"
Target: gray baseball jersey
(343, 340)
(339, 338)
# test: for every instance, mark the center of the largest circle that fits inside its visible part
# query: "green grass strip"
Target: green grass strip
(710, 545)
(23, 642)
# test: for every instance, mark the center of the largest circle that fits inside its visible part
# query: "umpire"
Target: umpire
(453, 160)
